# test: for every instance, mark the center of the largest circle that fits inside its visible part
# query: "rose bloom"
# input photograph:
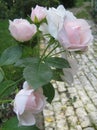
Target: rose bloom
(21, 29)
(27, 103)
(38, 13)
(75, 35)
(55, 18)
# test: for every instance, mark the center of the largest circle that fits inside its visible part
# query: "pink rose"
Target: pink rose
(27, 103)
(55, 19)
(75, 35)
(21, 29)
(38, 13)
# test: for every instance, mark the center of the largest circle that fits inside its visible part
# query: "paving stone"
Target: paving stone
(89, 128)
(69, 111)
(85, 122)
(72, 120)
(71, 90)
(57, 96)
(47, 112)
(54, 85)
(60, 115)
(64, 98)
(93, 117)
(63, 128)
(49, 107)
(95, 101)
(57, 106)
(48, 128)
(84, 98)
(78, 104)
(61, 124)
(61, 86)
(78, 127)
(83, 117)
(90, 108)
(73, 128)
(88, 87)
(49, 121)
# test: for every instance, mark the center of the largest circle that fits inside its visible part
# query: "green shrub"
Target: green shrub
(68, 3)
(3, 10)
(22, 8)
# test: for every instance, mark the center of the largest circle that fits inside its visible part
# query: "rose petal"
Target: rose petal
(26, 119)
(20, 100)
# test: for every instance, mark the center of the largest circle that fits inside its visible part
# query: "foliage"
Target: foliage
(21, 8)
(79, 3)
(68, 3)
(83, 14)
(3, 10)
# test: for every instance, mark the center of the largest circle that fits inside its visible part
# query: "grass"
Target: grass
(83, 14)
(79, 3)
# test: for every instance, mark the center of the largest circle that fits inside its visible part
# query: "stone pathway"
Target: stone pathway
(66, 114)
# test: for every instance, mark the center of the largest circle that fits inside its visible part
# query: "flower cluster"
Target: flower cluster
(72, 33)
(61, 29)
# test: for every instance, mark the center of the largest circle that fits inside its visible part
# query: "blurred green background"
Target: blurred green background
(21, 8)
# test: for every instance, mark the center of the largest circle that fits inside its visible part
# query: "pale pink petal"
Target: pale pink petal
(73, 33)
(31, 103)
(36, 102)
(20, 100)
(26, 119)
(21, 29)
(63, 39)
(40, 102)
(39, 12)
(44, 28)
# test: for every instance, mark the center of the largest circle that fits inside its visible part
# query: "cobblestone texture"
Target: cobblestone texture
(63, 114)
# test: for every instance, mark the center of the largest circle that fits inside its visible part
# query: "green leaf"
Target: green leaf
(1, 74)
(12, 124)
(49, 92)
(37, 75)
(26, 62)
(10, 55)
(57, 62)
(6, 88)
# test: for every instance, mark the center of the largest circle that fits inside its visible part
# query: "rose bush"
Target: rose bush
(27, 103)
(52, 31)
